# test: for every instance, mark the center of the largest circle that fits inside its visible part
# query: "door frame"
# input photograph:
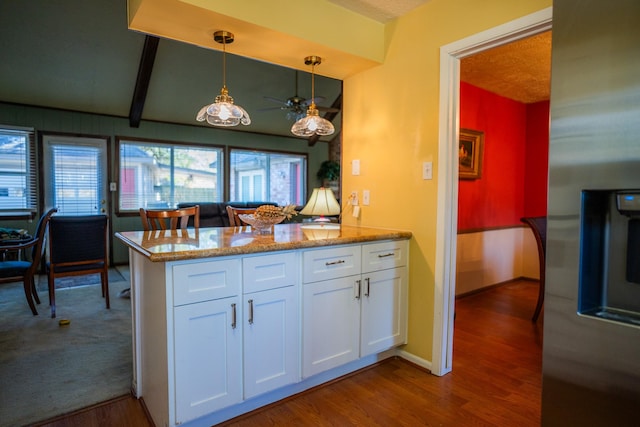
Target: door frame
(447, 206)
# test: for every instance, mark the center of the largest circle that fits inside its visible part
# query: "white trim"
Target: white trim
(414, 359)
(447, 213)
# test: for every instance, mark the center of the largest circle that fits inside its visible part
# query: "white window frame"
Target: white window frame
(27, 205)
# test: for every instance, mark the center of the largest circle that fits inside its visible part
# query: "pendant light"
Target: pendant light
(223, 112)
(312, 124)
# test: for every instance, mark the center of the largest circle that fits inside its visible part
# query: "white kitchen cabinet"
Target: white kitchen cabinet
(347, 315)
(207, 357)
(207, 337)
(331, 324)
(271, 323)
(218, 336)
(384, 296)
(383, 310)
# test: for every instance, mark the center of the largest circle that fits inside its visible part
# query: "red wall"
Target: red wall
(516, 146)
(536, 176)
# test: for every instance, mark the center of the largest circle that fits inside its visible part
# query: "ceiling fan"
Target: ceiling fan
(296, 106)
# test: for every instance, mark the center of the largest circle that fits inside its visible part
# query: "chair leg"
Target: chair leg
(34, 291)
(536, 313)
(27, 294)
(105, 287)
(52, 294)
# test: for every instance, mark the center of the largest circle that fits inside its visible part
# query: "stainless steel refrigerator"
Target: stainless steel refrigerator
(591, 350)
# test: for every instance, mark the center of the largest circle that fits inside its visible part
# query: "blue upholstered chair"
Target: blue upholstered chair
(24, 269)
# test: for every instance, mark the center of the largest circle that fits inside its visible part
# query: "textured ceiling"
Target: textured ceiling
(520, 70)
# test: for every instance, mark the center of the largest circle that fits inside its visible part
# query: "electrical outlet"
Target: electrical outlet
(354, 198)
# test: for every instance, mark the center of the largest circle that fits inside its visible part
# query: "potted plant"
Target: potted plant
(329, 175)
(329, 171)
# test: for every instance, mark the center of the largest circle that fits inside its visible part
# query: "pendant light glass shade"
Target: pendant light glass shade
(312, 124)
(223, 112)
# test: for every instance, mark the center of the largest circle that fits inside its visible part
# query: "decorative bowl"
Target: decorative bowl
(261, 225)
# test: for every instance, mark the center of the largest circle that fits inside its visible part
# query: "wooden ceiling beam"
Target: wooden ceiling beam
(142, 81)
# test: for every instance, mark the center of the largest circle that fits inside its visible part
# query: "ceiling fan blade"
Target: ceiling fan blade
(327, 109)
(276, 100)
(271, 108)
(316, 100)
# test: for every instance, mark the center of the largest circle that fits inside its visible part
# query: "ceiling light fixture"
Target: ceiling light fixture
(223, 112)
(312, 124)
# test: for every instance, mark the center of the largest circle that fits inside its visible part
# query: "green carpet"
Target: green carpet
(48, 370)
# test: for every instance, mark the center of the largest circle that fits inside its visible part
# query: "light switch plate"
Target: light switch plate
(355, 167)
(365, 197)
(427, 170)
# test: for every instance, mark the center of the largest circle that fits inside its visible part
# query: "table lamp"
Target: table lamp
(322, 202)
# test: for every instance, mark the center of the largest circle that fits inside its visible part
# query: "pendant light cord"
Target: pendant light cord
(224, 61)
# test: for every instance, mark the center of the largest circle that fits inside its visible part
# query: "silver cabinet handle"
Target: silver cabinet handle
(385, 255)
(251, 312)
(357, 290)
(366, 294)
(340, 261)
(233, 316)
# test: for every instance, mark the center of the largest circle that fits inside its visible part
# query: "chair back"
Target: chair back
(77, 239)
(234, 219)
(169, 219)
(41, 233)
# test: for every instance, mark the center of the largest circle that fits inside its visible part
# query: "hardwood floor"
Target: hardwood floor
(496, 380)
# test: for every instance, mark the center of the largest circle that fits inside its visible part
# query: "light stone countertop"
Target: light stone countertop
(166, 245)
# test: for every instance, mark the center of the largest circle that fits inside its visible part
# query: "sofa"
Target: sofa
(213, 214)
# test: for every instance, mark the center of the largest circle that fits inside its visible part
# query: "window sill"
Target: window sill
(17, 214)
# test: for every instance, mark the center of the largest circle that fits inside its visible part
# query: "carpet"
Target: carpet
(47, 369)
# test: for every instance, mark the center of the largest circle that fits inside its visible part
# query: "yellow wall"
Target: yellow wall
(390, 110)
(391, 126)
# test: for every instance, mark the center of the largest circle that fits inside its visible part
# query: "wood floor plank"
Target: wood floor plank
(496, 380)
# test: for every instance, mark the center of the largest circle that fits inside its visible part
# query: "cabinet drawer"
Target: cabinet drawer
(269, 271)
(380, 256)
(203, 281)
(331, 263)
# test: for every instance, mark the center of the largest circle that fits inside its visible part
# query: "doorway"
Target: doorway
(445, 272)
(75, 174)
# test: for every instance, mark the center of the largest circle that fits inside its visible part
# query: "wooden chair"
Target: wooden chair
(538, 226)
(24, 269)
(234, 219)
(77, 247)
(168, 219)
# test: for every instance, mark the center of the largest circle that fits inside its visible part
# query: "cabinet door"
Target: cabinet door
(384, 301)
(331, 324)
(271, 340)
(207, 357)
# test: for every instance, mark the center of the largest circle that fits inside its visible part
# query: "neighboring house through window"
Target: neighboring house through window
(18, 175)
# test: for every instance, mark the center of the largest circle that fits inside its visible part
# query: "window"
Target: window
(17, 169)
(161, 175)
(257, 176)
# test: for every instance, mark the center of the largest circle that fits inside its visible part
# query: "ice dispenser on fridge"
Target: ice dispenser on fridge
(610, 255)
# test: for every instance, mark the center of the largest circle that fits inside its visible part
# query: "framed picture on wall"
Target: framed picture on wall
(470, 149)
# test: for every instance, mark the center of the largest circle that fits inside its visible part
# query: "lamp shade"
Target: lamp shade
(322, 202)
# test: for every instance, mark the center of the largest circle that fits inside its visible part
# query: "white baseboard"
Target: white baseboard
(414, 359)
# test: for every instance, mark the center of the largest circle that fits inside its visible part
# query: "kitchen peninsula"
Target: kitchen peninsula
(226, 320)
